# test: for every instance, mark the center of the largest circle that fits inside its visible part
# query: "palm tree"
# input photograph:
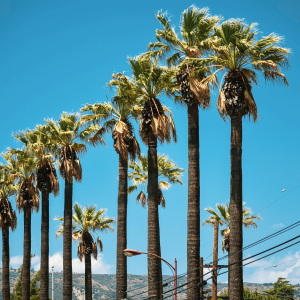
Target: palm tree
(193, 41)
(168, 173)
(240, 54)
(8, 219)
(116, 116)
(68, 137)
(22, 164)
(86, 222)
(149, 82)
(222, 215)
(46, 182)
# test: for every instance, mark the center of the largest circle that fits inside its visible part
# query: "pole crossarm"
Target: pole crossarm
(211, 266)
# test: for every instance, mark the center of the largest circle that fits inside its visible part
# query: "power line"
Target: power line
(284, 230)
(275, 199)
(231, 265)
(245, 248)
(246, 263)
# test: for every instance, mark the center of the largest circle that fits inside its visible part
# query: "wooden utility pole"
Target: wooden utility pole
(201, 277)
(215, 261)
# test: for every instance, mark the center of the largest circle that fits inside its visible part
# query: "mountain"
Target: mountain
(104, 286)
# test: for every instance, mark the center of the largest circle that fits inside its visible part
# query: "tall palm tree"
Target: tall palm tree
(22, 164)
(8, 219)
(46, 182)
(69, 138)
(150, 81)
(193, 41)
(168, 173)
(222, 215)
(116, 117)
(85, 223)
(240, 53)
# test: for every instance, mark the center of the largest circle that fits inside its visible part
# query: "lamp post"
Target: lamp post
(83, 294)
(52, 283)
(130, 253)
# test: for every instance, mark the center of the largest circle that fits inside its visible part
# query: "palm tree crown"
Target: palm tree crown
(168, 172)
(66, 133)
(22, 164)
(148, 83)
(193, 41)
(86, 223)
(39, 141)
(240, 52)
(222, 215)
(8, 188)
(116, 116)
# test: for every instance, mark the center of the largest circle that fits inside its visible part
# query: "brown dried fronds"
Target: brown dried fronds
(201, 91)
(80, 251)
(99, 242)
(161, 198)
(27, 196)
(221, 105)
(69, 164)
(125, 142)
(94, 250)
(48, 172)
(226, 234)
(142, 199)
(8, 216)
(157, 121)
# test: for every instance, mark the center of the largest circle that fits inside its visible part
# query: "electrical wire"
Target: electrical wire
(246, 263)
(245, 248)
(275, 199)
(290, 227)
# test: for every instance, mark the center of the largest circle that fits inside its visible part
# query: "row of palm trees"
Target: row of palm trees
(194, 57)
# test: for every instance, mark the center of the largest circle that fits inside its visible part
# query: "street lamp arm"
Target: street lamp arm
(161, 259)
(131, 252)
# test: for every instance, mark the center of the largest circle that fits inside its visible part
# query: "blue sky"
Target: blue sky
(56, 56)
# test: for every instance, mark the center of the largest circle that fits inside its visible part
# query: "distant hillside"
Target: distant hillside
(104, 286)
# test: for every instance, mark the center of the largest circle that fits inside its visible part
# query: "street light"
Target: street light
(131, 252)
(83, 294)
(52, 283)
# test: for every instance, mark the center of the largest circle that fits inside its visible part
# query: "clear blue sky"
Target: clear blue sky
(56, 56)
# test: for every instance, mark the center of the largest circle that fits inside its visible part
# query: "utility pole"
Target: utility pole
(215, 261)
(201, 277)
(52, 284)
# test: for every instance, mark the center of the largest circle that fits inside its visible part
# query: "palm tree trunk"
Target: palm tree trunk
(88, 277)
(228, 288)
(44, 279)
(121, 287)
(236, 210)
(5, 263)
(193, 237)
(159, 249)
(153, 245)
(67, 247)
(27, 254)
